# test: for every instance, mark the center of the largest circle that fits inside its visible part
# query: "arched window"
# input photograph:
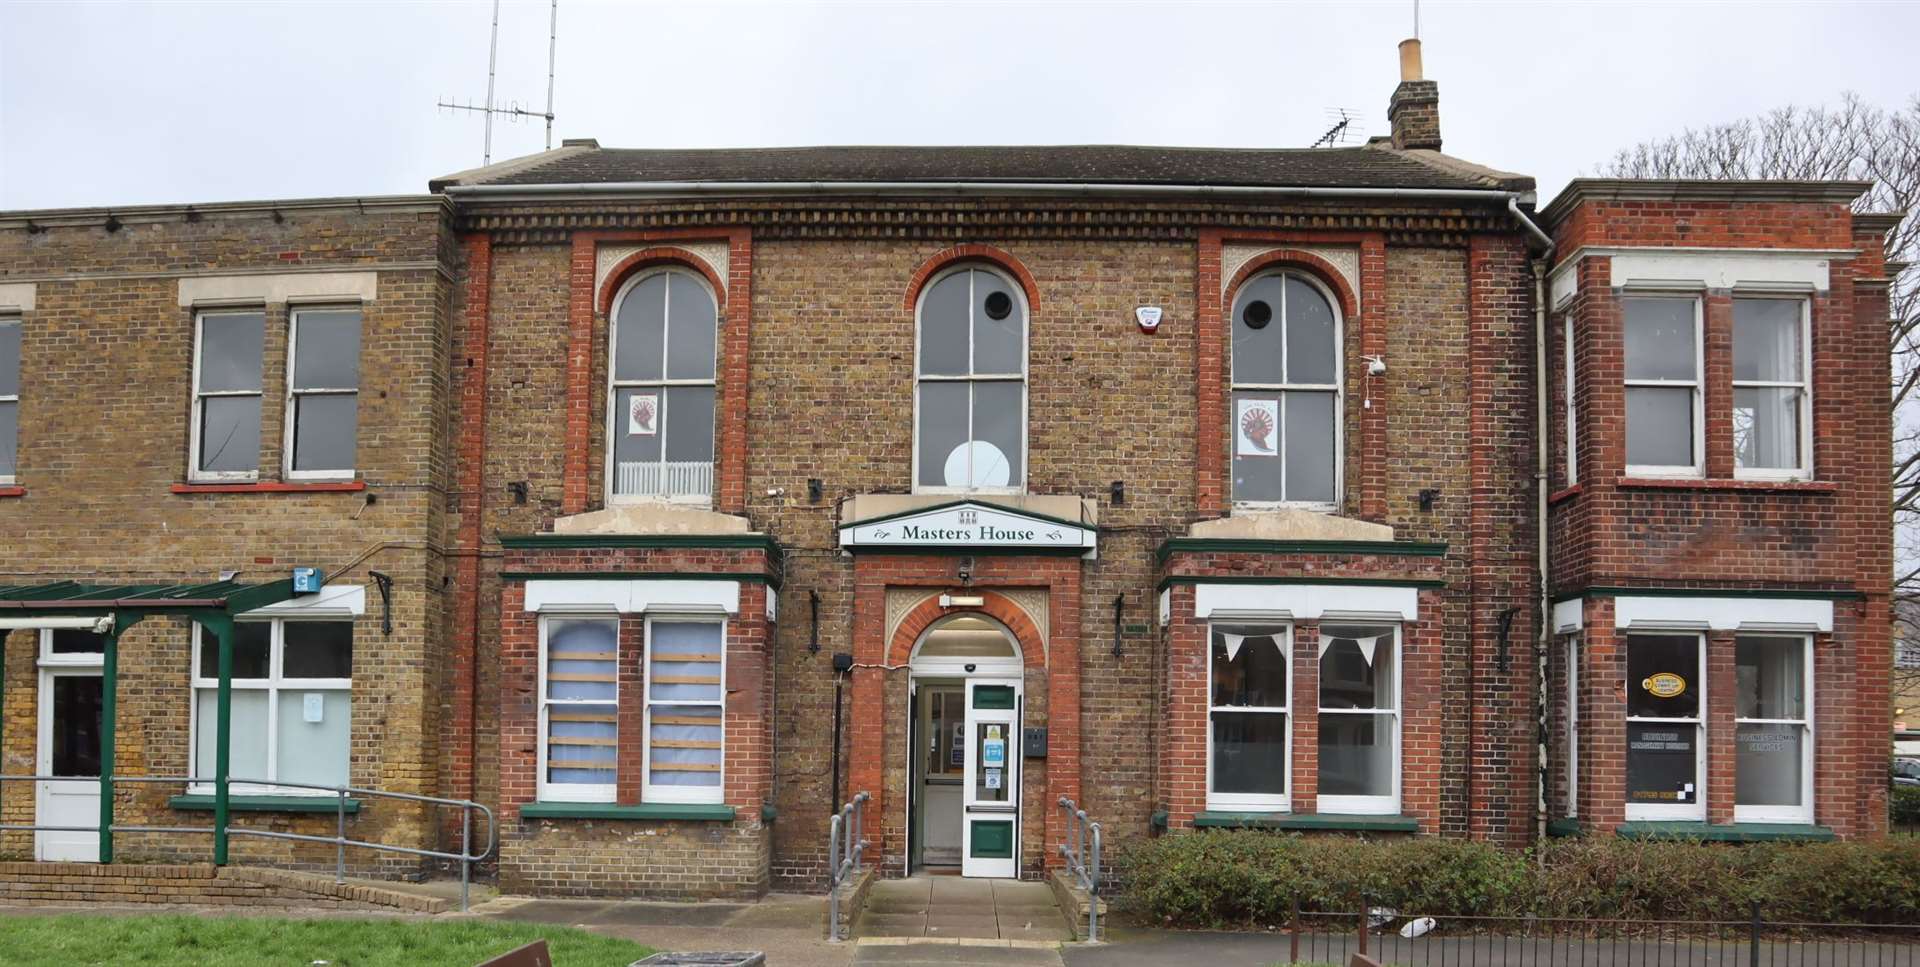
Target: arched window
(970, 423)
(1286, 392)
(661, 392)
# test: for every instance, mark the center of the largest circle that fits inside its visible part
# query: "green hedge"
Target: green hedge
(1904, 805)
(1219, 878)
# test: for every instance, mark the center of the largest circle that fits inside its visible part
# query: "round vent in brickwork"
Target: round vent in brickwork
(999, 305)
(1257, 314)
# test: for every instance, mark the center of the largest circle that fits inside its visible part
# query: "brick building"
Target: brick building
(666, 499)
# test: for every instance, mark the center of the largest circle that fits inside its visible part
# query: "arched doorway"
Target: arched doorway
(965, 702)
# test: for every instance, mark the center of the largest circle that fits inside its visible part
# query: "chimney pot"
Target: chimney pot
(1410, 60)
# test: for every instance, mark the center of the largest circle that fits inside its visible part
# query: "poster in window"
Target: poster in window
(643, 414)
(1661, 764)
(1257, 428)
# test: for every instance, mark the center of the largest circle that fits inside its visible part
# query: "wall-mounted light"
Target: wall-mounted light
(518, 489)
(1118, 491)
(1427, 498)
(962, 601)
(965, 570)
(815, 490)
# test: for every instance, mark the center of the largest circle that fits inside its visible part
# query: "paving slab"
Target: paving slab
(946, 955)
(984, 927)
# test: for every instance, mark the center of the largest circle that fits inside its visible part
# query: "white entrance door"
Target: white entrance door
(69, 750)
(990, 803)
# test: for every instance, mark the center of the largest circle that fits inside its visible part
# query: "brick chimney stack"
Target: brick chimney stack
(1415, 108)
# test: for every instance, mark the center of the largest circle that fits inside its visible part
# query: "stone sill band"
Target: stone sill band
(1212, 819)
(693, 812)
(343, 486)
(1732, 833)
(1725, 483)
(265, 804)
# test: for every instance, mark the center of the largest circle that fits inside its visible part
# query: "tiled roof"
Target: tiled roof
(1373, 166)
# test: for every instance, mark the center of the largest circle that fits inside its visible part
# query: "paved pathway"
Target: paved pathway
(950, 907)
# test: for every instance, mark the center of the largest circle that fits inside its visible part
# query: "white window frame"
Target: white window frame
(274, 684)
(48, 658)
(1782, 814)
(680, 794)
(1697, 384)
(1280, 391)
(1805, 385)
(1252, 802)
(1573, 726)
(1388, 805)
(1659, 812)
(9, 319)
(194, 473)
(1026, 395)
(1573, 448)
(290, 403)
(545, 791)
(615, 418)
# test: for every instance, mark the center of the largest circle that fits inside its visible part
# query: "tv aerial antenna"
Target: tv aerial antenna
(1343, 127)
(512, 109)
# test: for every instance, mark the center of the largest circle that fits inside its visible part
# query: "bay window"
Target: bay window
(291, 709)
(686, 710)
(970, 385)
(1664, 424)
(1666, 754)
(1249, 752)
(1771, 405)
(1359, 720)
(579, 710)
(1286, 393)
(323, 393)
(660, 418)
(1773, 759)
(226, 395)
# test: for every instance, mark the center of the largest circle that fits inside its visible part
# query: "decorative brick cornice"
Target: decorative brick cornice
(956, 222)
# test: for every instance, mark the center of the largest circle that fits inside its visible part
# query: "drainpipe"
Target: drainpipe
(1542, 443)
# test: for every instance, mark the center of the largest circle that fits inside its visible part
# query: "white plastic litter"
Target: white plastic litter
(1418, 928)
(1378, 917)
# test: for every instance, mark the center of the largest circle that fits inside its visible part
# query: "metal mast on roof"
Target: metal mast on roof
(513, 109)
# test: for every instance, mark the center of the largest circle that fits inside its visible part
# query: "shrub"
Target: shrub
(1217, 878)
(1904, 805)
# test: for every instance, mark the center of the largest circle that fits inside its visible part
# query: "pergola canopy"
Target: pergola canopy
(72, 597)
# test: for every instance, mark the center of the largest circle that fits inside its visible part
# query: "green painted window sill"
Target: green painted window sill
(265, 804)
(696, 812)
(1307, 821)
(1735, 833)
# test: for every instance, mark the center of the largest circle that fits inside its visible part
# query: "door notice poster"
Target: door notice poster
(643, 414)
(958, 755)
(993, 752)
(993, 778)
(1662, 761)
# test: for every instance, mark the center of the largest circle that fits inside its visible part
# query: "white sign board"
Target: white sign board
(967, 524)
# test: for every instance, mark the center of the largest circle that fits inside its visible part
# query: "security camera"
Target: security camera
(1375, 366)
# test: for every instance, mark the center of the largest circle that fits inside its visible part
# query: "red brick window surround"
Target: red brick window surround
(588, 478)
(1250, 716)
(1285, 355)
(661, 405)
(11, 343)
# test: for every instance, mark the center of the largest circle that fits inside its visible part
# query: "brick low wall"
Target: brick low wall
(665, 860)
(74, 883)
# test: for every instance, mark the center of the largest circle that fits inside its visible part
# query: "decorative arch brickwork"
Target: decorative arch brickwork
(1033, 649)
(973, 252)
(1318, 267)
(647, 258)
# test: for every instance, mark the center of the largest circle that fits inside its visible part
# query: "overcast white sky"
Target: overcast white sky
(105, 103)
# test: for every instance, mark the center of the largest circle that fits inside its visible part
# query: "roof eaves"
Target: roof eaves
(1461, 168)
(511, 166)
(38, 218)
(1582, 190)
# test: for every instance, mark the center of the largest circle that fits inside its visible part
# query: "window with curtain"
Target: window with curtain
(1665, 740)
(1286, 393)
(686, 711)
(1359, 720)
(292, 705)
(1248, 728)
(1773, 734)
(1662, 342)
(660, 418)
(1770, 398)
(579, 709)
(10, 344)
(970, 406)
(323, 393)
(226, 396)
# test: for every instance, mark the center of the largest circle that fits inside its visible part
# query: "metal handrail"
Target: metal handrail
(1082, 850)
(846, 848)
(466, 857)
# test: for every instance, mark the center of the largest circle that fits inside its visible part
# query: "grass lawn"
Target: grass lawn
(187, 941)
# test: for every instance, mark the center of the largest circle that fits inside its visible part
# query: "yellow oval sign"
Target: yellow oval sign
(1664, 685)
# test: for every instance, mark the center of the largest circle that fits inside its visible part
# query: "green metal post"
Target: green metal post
(222, 628)
(109, 689)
